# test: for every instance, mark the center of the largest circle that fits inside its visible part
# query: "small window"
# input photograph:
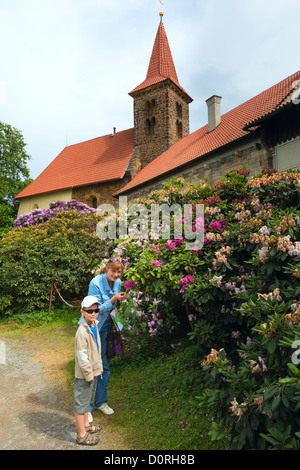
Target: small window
(92, 201)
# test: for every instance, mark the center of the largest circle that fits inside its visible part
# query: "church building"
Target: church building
(263, 132)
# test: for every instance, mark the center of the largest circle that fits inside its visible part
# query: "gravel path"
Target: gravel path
(36, 413)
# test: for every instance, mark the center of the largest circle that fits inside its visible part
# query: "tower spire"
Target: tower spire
(161, 66)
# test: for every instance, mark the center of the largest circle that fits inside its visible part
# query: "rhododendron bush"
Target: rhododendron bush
(58, 244)
(249, 246)
(240, 293)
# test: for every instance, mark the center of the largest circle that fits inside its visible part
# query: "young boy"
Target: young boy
(88, 366)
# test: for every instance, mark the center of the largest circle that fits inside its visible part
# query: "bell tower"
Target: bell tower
(161, 105)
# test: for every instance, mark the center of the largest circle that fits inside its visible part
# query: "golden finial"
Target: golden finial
(161, 13)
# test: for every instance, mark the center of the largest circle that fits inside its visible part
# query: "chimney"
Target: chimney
(114, 132)
(214, 112)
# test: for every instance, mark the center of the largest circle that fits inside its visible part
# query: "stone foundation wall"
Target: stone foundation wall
(212, 168)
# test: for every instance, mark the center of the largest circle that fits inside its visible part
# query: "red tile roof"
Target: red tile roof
(202, 142)
(291, 98)
(161, 66)
(94, 161)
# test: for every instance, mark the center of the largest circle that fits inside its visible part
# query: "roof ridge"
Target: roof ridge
(284, 80)
(281, 101)
(99, 137)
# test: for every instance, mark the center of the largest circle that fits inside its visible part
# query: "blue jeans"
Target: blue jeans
(102, 380)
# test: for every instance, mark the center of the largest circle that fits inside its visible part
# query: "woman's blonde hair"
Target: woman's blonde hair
(113, 263)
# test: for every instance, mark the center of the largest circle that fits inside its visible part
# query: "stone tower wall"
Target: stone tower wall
(171, 108)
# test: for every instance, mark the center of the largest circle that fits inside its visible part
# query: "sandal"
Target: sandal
(93, 428)
(87, 440)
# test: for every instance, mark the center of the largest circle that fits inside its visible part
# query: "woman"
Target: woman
(106, 288)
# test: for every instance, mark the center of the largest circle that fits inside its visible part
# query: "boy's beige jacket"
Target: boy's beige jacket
(88, 362)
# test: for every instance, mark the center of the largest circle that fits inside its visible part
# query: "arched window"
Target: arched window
(179, 129)
(95, 203)
(179, 119)
(150, 107)
(179, 110)
(150, 126)
(150, 121)
(153, 121)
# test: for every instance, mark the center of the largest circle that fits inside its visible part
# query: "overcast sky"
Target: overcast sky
(67, 66)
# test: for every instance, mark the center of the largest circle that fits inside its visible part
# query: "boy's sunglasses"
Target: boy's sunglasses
(96, 310)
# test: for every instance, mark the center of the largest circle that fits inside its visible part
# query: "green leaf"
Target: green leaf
(254, 422)
(276, 402)
(272, 346)
(270, 392)
(288, 380)
(294, 369)
(285, 401)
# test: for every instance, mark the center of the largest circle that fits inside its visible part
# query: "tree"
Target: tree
(14, 173)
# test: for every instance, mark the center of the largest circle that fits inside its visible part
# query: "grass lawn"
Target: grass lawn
(157, 400)
(154, 398)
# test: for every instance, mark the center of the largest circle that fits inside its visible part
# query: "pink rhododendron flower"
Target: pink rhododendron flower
(184, 282)
(170, 245)
(156, 262)
(218, 224)
(199, 223)
(129, 285)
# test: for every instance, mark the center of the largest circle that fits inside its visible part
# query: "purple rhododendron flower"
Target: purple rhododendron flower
(39, 216)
